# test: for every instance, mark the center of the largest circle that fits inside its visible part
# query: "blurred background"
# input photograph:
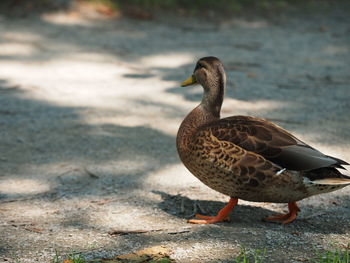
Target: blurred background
(90, 104)
(146, 9)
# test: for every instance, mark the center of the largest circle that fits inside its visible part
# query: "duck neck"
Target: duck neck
(213, 97)
(207, 111)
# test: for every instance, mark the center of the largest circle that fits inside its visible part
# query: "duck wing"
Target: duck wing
(272, 142)
(222, 158)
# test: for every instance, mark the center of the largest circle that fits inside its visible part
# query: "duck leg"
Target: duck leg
(286, 218)
(223, 214)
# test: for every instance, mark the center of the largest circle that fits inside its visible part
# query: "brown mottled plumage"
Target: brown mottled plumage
(249, 158)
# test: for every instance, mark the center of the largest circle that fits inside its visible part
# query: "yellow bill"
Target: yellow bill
(191, 80)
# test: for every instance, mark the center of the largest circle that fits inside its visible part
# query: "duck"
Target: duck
(249, 158)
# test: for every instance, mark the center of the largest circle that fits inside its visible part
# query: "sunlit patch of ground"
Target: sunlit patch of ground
(89, 111)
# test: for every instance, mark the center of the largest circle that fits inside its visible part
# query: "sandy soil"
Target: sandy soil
(89, 111)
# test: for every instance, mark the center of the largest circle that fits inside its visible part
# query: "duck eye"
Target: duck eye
(199, 66)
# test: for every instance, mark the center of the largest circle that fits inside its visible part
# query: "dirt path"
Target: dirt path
(89, 112)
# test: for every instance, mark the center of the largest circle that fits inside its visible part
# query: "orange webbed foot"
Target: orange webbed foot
(286, 218)
(223, 214)
(201, 219)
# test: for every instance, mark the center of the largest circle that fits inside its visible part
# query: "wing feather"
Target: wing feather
(247, 168)
(272, 142)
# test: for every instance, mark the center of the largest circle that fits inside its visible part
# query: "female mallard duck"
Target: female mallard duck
(249, 158)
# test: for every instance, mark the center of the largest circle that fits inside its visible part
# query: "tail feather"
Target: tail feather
(324, 173)
(332, 181)
(339, 167)
(339, 161)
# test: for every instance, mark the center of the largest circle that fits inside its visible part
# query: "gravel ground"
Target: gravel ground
(89, 110)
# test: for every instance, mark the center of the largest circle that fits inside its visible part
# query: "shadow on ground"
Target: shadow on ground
(252, 216)
(55, 146)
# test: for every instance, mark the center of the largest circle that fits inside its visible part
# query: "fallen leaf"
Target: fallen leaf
(105, 10)
(91, 174)
(302, 259)
(135, 257)
(102, 202)
(152, 254)
(117, 232)
(34, 229)
(346, 246)
(178, 232)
